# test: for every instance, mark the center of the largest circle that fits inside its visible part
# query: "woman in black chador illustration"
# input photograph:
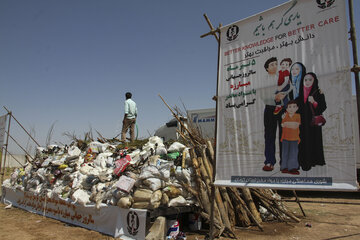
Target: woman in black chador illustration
(311, 152)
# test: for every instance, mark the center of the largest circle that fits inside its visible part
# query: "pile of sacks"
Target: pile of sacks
(102, 174)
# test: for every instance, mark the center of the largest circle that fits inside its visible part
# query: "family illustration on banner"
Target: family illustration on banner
(294, 108)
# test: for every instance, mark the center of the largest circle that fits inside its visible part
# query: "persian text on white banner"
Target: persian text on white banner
(110, 220)
(295, 52)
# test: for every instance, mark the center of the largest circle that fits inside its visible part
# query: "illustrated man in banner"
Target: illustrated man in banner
(272, 121)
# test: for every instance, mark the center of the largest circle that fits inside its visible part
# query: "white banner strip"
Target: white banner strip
(110, 220)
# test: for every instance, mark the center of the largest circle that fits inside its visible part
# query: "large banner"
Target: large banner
(2, 130)
(111, 220)
(284, 115)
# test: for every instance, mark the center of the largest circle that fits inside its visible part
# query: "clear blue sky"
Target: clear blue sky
(70, 62)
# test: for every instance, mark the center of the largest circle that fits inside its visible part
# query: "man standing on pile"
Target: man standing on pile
(129, 118)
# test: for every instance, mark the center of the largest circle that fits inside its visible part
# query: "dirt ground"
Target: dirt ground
(329, 215)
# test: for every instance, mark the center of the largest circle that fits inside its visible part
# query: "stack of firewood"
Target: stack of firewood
(232, 206)
(226, 207)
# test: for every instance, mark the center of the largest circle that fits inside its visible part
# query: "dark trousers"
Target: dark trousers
(289, 155)
(271, 123)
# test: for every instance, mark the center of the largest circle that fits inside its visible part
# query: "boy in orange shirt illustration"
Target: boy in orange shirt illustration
(290, 139)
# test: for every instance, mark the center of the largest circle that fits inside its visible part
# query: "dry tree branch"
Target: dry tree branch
(71, 136)
(100, 137)
(29, 146)
(49, 134)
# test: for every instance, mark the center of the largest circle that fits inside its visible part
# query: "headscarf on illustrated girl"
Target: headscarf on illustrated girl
(297, 73)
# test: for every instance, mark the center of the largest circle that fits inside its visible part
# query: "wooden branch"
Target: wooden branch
(213, 31)
(223, 213)
(186, 139)
(271, 206)
(229, 206)
(236, 193)
(192, 191)
(183, 159)
(298, 202)
(207, 165)
(204, 189)
(251, 204)
(211, 152)
(177, 118)
(219, 226)
(242, 217)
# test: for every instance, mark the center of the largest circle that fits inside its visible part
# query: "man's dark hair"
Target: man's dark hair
(128, 95)
(270, 60)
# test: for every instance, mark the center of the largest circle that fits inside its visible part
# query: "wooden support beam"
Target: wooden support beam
(213, 31)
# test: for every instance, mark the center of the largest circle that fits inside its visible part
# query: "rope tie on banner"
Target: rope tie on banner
(355, 69)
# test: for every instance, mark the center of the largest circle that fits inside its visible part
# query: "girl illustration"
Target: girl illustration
(297, 73)
(311, 152)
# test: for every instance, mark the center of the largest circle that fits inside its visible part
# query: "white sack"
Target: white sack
(176, 147)
(74, 151)
(149, 172)
(176, 202)
(154, 183)
(81, 197)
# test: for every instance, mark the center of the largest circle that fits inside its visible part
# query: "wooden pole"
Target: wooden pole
(249, 200)
(213, 31)
(214, 163)
(228, 205)
(183, 159)
(298, 202)
(243, 204)
(207, 165)
(211, 151)
(356, 68)
(241, 217)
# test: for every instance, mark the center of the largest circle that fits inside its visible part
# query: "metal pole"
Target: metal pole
(20, 146)
(6, 149)
(23, 127)
(356, 68)
(15, 159)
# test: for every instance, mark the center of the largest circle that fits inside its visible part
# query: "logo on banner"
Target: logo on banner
(325, 3)
(232, 32)
(133, 223)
